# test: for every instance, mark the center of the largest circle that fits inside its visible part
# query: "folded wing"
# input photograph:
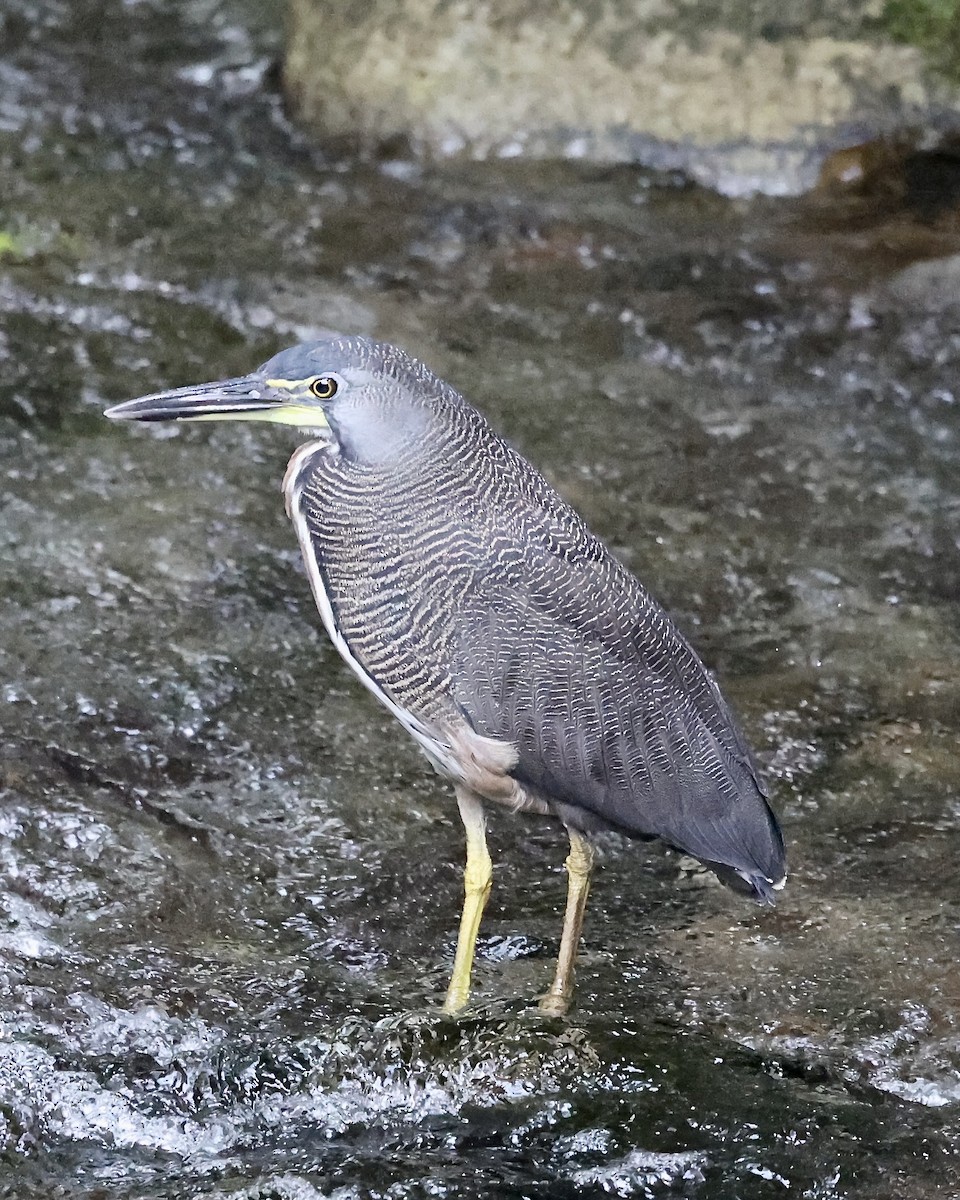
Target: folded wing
(562, 652)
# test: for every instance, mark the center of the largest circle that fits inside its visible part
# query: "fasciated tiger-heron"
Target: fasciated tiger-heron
(530, 666)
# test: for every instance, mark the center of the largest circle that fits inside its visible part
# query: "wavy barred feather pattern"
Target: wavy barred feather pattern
(468, 590)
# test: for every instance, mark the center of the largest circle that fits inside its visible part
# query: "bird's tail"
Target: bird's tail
(757, 887)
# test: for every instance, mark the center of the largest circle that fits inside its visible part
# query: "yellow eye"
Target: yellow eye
(324, 387)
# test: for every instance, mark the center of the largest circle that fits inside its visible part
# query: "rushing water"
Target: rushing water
(228, 884)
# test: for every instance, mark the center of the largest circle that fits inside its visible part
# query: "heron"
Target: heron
(529, 665)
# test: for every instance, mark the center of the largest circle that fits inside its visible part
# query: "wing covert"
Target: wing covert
(562, 652)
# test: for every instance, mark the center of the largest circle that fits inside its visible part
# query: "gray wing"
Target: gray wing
(562, 652)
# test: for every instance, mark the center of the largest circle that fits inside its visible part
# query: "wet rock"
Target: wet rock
(746, 98)
(925, 287)
(229, 888)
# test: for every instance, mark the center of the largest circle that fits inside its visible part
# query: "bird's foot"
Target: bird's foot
(456, 999)
(554, 1004)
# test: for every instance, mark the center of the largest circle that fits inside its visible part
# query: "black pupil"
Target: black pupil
(324, 388)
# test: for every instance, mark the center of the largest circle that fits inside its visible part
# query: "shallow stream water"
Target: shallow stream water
(229, 886)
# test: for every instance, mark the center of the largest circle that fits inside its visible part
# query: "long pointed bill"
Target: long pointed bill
(249, 398)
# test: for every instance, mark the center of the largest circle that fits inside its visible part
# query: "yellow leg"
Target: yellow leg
(579, 865)
(477, 876)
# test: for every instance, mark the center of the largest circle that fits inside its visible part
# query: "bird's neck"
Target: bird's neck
(377, 439)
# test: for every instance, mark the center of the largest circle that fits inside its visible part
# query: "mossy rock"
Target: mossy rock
(744, 97)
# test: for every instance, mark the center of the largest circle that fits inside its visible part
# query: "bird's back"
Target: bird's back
(461, 581)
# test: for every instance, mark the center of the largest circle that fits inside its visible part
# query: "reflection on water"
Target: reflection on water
(229, 887)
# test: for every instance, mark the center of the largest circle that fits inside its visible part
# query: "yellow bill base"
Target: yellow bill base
(303, 416)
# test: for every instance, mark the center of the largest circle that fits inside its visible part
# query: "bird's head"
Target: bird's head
(369, 398)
